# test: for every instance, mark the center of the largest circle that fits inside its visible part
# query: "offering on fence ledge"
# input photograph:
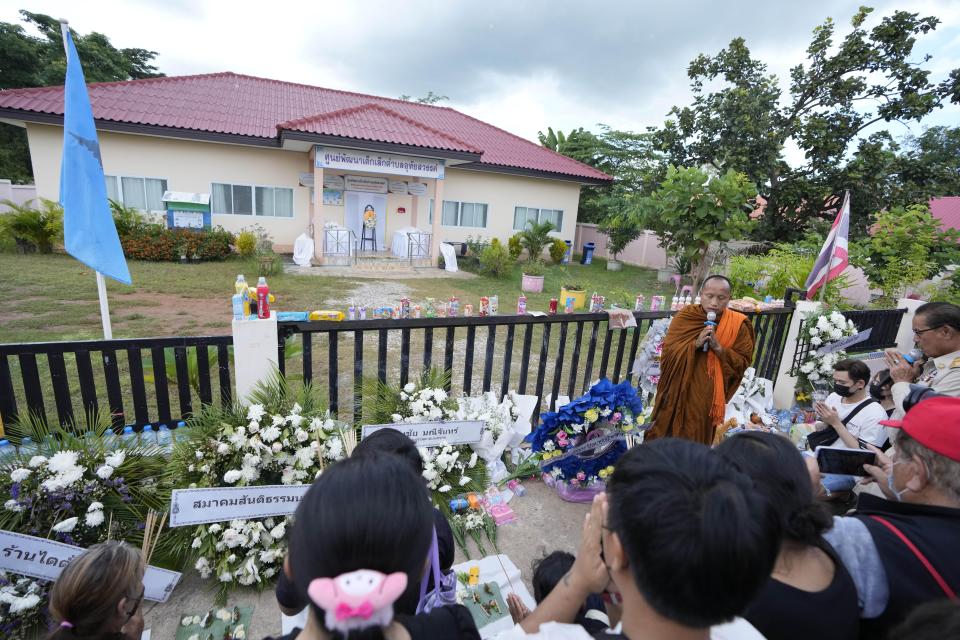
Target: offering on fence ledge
(430, 308)
(597, 303)
(362, 312)
(405, 307)
(467, 310)
(553, 306)
(324, 314)
(521, 305)
(494, 305)
(417, 311)
(638, 305)
(351, 313)
(484, 309)
(569, 304)
(454, 306)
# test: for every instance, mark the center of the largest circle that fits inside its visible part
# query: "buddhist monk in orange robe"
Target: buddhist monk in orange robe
(695, 385)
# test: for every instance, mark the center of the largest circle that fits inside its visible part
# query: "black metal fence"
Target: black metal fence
(162, 380)
(553, 355)
(139, 381)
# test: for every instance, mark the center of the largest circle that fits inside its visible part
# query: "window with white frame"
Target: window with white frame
(524, 215)
(145, 194)
(251, 200)
(461, 214)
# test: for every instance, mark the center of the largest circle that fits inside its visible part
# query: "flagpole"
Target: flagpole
(101, 283)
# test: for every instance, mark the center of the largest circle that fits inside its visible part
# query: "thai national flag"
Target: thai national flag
(833, 258)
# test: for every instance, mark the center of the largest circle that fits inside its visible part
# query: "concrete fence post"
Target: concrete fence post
(905, 340)
(785, 384)
(254, 353)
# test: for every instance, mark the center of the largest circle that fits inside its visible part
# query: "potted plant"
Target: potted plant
(572, 288)
(532, 279)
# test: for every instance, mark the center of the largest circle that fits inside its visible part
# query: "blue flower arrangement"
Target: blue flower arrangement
(606, 411)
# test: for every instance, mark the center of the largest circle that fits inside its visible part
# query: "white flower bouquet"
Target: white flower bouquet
(282, 438)
(22, 601)
(819, 330)
(76, 490)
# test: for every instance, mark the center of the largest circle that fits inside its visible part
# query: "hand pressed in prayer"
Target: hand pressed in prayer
(900, 369)
(706, 336)
(518, 610)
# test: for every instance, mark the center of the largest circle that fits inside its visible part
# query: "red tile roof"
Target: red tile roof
(230, 103)
(947, 211)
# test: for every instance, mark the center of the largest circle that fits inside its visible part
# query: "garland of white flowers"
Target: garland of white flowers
(821, 329)
(279, 444)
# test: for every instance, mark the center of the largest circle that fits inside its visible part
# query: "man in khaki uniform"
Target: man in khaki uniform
(936, 330)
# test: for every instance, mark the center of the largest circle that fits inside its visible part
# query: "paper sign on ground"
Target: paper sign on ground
(433, 434)
(45, 559)
(217, 504)
(842, 344)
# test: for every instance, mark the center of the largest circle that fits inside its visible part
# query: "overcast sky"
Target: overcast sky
(518, 64)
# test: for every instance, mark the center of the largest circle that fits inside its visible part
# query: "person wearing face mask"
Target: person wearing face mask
(901, 550)
(881, 391)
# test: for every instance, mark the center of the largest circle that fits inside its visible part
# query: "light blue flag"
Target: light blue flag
(89, 233)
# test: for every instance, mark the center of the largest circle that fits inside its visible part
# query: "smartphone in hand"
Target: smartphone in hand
(844, 461)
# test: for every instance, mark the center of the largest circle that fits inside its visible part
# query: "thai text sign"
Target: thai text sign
(45, 559)
(365, 183)
(217, 504)
(352, 159)
(842, 344)
(433, 434)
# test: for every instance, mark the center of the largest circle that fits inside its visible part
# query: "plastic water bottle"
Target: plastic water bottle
(7, 451)
(28, 447)
(165, 438)
(129, 437)
(148, 436)
(180, 433)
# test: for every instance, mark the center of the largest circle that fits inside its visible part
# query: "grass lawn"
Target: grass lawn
(54, 297)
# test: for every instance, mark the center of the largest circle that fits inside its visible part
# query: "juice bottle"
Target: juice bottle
(240, 287)
(263, 299)
(521, 305)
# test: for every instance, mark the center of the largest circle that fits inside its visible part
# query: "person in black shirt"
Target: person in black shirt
(368, 512)
(809, 594)
(387, 441)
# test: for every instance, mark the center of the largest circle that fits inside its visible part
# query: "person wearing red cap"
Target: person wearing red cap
(902, 551)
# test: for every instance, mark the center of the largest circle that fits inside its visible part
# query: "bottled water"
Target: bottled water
(165, 438)
(28, 447)
(148, 436)
(129, 437)
(7, 451)
(180, 433)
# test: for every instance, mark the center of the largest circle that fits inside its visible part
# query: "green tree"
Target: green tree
(690, 210)
(745, 123)
(38, 61)
(905, 246)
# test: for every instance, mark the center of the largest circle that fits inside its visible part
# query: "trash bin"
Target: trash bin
(587, 257)
(569, 252)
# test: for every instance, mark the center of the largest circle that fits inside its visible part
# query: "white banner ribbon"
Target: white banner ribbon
(46, 559)
(218, 504)
(433, 434)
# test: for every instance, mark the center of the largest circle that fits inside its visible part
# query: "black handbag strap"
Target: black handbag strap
(857, 410)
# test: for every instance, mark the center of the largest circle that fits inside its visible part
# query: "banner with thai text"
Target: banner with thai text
(433, 434)
(45, 559)
(217, 504)
(355, 160)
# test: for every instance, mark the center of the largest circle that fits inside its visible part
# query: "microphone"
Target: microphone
(912, 356)
(711, 322)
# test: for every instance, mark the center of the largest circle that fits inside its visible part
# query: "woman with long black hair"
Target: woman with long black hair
(358, 550)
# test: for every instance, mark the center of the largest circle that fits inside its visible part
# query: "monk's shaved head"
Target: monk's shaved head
(717, 279)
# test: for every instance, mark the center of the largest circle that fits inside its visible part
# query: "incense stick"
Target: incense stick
(151, 533)
(349, 437)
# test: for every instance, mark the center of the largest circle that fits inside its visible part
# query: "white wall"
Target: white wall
(186, 166)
